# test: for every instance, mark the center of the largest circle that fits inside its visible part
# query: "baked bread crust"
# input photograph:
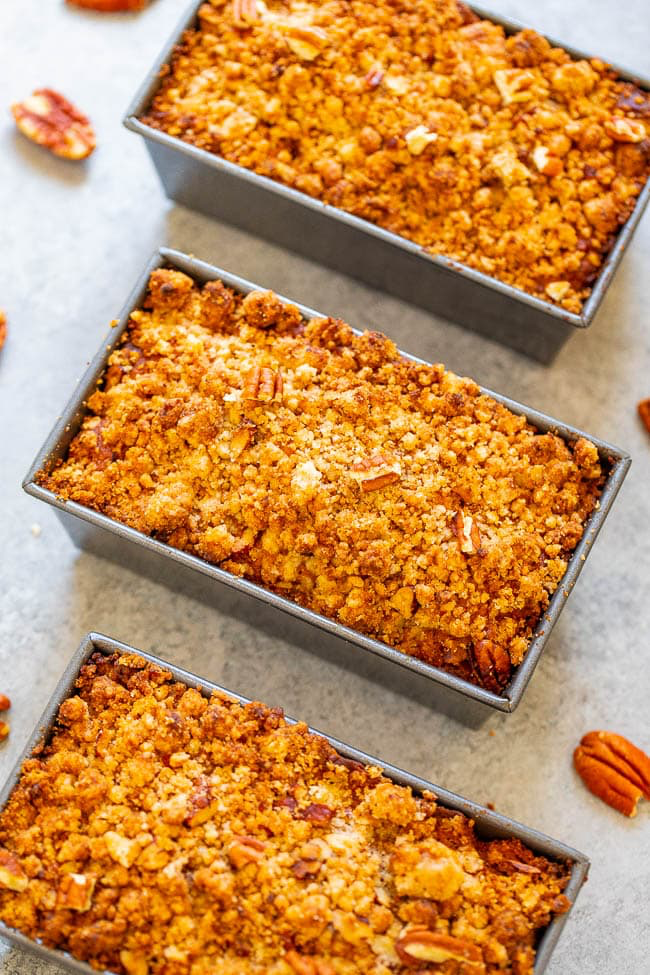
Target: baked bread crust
(391, 496)
(160, 832)
(500, 152)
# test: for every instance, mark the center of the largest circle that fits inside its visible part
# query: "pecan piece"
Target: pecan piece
(374, 77)
(613, 769)
(644, 412)
(75, 892)
(493, 664)
(110, 6)
(306, 42)
(245, 849)
(50, 120)
(622, 129)
(467, 533)
(244, 12)
(421, 945)
(377, 471)
(12, 875)
(308, 964)
(317, 812)
(263, 385)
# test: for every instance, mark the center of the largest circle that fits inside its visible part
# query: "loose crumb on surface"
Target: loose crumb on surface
(500, 152)
(160, 832)
(393, 497)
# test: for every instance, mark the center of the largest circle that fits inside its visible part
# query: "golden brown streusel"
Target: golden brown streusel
(161, 832)
(500, 152)
(392, 496)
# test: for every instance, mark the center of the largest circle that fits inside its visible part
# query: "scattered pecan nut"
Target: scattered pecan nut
(623, 129)
(110, 6)
(306, 42)
(75, 892)
(244, 12)
(644, 412)
(376, 471)
(12, 875)
(50, 120)
(613, 769)
(263, 385)
(467, 533)
(493, 664)
(245, 849)
(421, 945)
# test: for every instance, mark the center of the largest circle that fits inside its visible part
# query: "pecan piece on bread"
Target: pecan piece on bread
(613, 769)
(50, 120)
(493, 665)
(419, 945)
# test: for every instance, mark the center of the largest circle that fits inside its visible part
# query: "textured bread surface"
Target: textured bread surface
(500, 152)
(162, 832)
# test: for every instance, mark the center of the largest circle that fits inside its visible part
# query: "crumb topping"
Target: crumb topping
(392, 496)
(164, 832)
(500, 152)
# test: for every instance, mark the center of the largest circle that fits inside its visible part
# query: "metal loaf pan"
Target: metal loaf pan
(489, 825)
(111, 539)
(203, 181)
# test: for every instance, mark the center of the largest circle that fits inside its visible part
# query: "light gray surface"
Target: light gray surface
(74, 238)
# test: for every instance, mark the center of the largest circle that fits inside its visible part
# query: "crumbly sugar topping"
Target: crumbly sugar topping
(162, 832)
(391, 496)
(500, 152)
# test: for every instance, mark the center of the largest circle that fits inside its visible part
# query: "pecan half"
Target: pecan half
(50, 120)
(110, 6)
(245, 849)
(493, 664)
(467, 533)
(376, 471)
(421, 945)
(244, 12)
(644, 412)
(12, 875)
(263, 385)
(613, 769)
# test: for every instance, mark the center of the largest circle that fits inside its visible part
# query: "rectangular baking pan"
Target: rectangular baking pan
(97, 533)
(203, 181)
(489, 825)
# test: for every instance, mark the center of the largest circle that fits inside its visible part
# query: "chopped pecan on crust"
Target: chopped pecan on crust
(50, 120)
(613, 769)
(493, 664)
(419, 946)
